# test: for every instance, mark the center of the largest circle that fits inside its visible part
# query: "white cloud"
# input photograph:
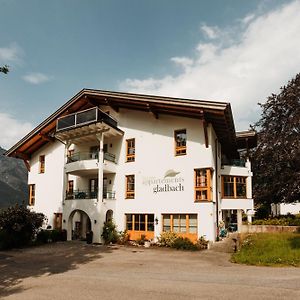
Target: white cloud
(9, 54)
(211, 32)
(184, 62)
(14, 130)
(263, 54)
(36, 78)
(248, 18)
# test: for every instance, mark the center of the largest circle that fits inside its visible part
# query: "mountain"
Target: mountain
(13, 181)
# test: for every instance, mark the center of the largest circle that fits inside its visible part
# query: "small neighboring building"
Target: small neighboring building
(152, 164)
(285, 209)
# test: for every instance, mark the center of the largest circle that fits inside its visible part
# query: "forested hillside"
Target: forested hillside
(13, 180)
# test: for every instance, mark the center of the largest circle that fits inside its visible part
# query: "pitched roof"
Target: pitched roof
(217, 113)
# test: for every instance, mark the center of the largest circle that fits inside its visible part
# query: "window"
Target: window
(130, 150)
(202, 185)
(129, 186)
(31, 194)
(94, 152)
(180, 142)
(57, 224)
(234, 187)
(71, 156)
(71, 152)
(180, 223)
(94, 188)
(42, 164)
(140, 222)
(70, 189)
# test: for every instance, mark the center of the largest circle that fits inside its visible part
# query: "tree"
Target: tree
(18, 226)
(4, 69)
(276, 160)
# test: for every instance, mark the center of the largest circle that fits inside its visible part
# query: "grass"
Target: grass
(269, 249)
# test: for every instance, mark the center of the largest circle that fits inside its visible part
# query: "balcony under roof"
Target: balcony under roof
(86, 123)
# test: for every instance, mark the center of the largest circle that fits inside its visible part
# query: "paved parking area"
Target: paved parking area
(74, 270)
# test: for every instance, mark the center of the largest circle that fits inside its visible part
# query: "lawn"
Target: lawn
(269, 249)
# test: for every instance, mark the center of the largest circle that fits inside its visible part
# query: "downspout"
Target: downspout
(217, 192)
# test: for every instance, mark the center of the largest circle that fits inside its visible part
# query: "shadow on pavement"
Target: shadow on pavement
(49, 259)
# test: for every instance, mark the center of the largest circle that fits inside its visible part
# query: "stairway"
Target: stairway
(227, 244)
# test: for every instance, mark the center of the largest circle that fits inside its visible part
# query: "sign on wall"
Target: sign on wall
(171, 182)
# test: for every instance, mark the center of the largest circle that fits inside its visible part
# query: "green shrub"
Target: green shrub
(184, 244)
(55, 235)
(288, 220)
(123, 237)
(141, 240)
(167, 239)
(202, 243)
(18, 226)
(110, 233)
(43, 236)
(173, 240)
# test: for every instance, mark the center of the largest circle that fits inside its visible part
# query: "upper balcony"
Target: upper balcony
(84, 117)
(236, 167)
(234, 162)
(86, 123)
(84, 163)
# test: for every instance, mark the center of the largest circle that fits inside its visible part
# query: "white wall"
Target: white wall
(155, 155)
(48, 193)
(154, 143)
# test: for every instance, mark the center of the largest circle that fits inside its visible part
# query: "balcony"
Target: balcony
(85, 117)
(81, 194)
(79, 156)
(234, 162)
(110, 157)
(111, 195)
(87, 194)
(87, 162)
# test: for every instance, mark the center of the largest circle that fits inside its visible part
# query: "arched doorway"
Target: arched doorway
(109, 215)
(79, 224)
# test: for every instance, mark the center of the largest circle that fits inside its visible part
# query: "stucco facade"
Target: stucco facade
(86, 169)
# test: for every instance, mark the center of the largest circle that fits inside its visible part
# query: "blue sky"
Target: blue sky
(236, 51)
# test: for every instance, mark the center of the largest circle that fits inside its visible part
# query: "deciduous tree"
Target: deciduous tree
(276, 160)
(4, 69)
(18, 225)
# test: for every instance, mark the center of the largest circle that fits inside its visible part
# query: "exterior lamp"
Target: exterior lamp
(95, 221)
(156, 221)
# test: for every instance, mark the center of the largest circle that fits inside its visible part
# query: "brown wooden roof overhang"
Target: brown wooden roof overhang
(217, 113)
(246, 139)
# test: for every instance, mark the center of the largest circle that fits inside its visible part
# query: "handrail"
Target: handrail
(88, 194)
(234, 162)
(109, 195)
(84, 117)
(81, 194)
(87, 155)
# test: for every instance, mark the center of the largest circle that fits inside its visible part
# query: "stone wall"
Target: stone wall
(267, 228)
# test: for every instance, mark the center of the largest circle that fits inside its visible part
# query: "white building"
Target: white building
(285, 209)
(151, 163)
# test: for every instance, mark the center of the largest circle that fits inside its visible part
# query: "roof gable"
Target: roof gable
(217, 113)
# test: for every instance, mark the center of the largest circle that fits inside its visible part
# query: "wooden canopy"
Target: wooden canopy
(217, 113)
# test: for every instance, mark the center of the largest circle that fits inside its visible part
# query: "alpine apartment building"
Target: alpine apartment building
(150, 163)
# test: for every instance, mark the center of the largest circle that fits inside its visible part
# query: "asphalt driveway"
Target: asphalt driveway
(74, 270)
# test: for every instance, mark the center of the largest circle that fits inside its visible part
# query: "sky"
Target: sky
(235, 51)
